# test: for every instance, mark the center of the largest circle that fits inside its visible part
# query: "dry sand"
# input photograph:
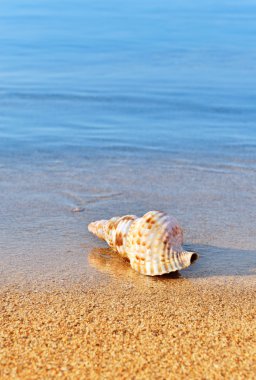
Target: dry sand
(129, 327)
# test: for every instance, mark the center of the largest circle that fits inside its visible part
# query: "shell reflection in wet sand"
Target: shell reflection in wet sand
(107, 261)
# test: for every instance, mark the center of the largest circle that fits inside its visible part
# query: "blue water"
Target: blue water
(131, 77)
(118, 107)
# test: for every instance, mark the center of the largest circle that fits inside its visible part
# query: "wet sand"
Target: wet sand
(72, 309)
(129, 326)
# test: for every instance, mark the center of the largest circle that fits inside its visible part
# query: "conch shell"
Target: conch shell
(152, 243)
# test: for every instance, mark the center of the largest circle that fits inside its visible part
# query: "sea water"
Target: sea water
(121, 107)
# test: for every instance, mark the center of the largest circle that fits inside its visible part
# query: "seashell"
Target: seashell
(152, 243)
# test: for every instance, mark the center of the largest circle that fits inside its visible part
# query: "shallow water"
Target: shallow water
(122, 108)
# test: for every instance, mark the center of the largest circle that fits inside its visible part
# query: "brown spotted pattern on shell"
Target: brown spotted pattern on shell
(152, 243)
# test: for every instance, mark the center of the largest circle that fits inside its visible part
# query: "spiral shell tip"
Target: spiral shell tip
(97, 228)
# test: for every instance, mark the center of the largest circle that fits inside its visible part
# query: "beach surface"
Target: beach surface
(114, 108)
(130, 327)
(71, 308)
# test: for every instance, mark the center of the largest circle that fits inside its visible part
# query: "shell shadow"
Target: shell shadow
(220, 261)
(213, 261)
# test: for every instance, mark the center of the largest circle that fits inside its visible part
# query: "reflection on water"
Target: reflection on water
(108, 262)
(213, 261)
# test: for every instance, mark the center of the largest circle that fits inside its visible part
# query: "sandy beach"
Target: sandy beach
(130, 327)
(71, 308)
(115, 108)
(198, 323)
